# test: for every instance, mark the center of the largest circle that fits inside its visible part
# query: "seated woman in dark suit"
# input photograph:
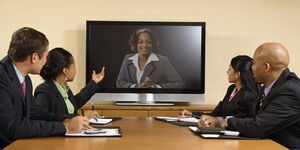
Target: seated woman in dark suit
(54, 95)
(146, 69)
(241, 95)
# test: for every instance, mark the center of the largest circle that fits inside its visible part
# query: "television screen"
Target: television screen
(147, 57)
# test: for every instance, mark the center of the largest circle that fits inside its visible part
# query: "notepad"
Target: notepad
(178, 121)
(189, 120)
(167, 118)
(105, 132)
(217, 133)
(210, 135)
(213, 131)
(100, 121)
(193, 128)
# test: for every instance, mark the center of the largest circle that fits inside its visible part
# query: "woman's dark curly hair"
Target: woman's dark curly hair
(135, 35)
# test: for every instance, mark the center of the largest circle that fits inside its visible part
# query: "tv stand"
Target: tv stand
(112, 110)
(146, 99)
(145, 104)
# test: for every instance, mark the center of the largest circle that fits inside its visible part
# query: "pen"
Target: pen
(96, 119)
(93, 108)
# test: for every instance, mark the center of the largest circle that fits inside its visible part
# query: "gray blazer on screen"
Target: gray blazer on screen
(161, 72)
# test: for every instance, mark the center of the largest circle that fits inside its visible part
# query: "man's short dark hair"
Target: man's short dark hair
(25, 42)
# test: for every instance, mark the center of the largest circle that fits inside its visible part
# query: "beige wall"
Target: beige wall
(233, 27)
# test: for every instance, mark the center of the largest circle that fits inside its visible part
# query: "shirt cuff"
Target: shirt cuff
(220, 119)
(132, 85)
(226, 119)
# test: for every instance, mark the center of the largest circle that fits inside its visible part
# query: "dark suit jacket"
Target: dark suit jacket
(239, 106)
(161, 72)
(278, 117)
(48, 97)
(15, 109)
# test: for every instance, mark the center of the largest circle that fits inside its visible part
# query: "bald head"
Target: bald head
(273, 53)
(270, 60)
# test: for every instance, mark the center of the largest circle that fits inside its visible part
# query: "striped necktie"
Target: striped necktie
(23, 84)
(261, 100)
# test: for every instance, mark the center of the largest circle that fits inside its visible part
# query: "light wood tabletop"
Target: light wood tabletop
(143, 133)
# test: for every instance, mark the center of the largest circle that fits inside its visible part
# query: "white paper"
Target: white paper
(189, 120)
(100, 121)
(210, 135)
(193, 128)
(168, 118)
(108, 132)
(231, 133)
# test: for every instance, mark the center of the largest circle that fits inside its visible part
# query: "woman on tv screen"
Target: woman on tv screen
(145, 68)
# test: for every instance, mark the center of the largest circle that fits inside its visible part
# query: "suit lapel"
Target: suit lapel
(227, 104)
(60, 99)
(257, 106)
(275, 87)
(20, 89)
(132, 72)
(13, 76)
(72, 100)
(28, 97)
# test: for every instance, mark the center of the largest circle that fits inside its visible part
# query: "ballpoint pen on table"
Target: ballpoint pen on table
(93, 108)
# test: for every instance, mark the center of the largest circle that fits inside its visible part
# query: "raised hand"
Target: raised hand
(98, 77)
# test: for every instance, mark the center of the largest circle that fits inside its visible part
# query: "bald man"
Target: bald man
(277, 113)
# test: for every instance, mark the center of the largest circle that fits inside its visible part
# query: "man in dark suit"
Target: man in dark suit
(26, 55)
(278, 106)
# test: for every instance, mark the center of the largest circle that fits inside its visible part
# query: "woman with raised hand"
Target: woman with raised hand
(55, 96)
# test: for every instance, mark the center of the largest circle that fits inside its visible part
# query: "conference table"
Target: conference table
(144, 133)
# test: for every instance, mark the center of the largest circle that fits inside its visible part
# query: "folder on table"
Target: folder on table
(217, 133)
(104, 132)
(178, 121)
(103, 120)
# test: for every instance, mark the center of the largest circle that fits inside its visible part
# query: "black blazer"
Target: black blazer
(15, 109)
(278, 118)
(48, 97)
(239, 106)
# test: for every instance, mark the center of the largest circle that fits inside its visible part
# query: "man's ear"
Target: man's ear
(34, 58)
(267, 67)
(237, 74)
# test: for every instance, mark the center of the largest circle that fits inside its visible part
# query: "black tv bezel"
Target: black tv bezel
(90, 23)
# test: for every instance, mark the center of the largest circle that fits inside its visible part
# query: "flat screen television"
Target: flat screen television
(147, 63)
